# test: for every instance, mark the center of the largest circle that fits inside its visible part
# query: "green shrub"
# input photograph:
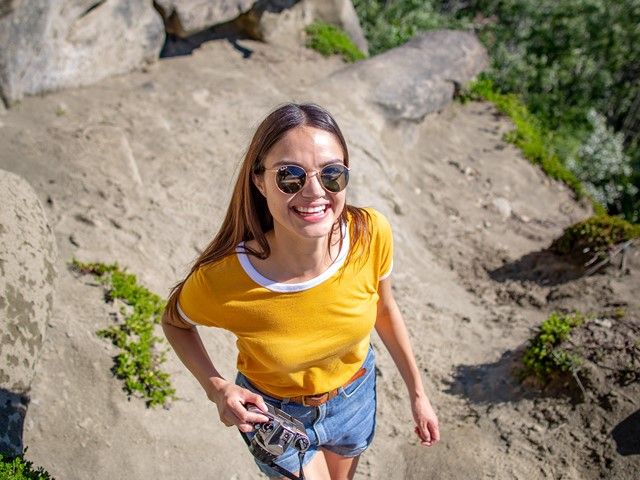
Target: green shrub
(544, 356)
(17, 468)
(388, 24)
(138, 364)
(594, 236)
(330, 40)
(603, 166)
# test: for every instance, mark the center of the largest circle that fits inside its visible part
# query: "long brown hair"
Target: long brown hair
(248, 216)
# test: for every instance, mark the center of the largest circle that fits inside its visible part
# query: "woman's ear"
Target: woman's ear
(258, 181)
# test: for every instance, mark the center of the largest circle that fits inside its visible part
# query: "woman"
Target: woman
(301, 278)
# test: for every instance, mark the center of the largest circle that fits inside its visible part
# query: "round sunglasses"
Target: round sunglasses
(290, 179)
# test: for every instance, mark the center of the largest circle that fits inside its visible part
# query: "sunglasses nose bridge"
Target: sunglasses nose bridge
(313, 178)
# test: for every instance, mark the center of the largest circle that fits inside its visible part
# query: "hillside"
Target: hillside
(138, 169)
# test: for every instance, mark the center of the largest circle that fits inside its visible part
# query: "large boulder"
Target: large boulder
(288, 26)
(51, 44)
(419, 77)
(187, 17)
(27, 272)
(279, 22)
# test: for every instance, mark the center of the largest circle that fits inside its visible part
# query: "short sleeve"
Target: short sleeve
(195, 301)
(383, 244)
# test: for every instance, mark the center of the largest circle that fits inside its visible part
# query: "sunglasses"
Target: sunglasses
(290, 179)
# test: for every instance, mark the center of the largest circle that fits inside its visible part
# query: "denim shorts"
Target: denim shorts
(344, 425)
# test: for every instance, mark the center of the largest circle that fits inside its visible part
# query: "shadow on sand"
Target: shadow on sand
(491, 383)
(627, 435)
(544, 268)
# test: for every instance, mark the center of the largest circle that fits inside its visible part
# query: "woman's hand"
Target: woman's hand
(426, 421)
(232, 402)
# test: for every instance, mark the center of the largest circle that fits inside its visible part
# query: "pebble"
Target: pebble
(503, 207)
(603, 322)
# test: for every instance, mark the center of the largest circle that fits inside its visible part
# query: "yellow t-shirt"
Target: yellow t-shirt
(294, 339)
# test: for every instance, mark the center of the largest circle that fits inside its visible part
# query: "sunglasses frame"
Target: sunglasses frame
(309, 175)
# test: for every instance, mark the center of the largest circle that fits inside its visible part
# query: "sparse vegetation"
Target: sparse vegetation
(573, 63)
(139, 361)
(544, 355)
(529, 135)
(17, 468)
(594, 236)
(330, 40)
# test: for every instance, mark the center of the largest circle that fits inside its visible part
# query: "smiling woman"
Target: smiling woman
(292, 253)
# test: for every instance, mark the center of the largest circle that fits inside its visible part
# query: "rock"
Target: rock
(502, 206)
(27, 272)
(419, 77)
(187, 17)
(52, 44)
(288, 26)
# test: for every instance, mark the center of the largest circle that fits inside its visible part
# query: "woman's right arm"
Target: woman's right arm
(228, 397)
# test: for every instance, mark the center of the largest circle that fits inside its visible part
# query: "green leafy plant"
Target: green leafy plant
(544, 355)
(138, 363)
(17, 468)
(330, 40)
(594, 236)
(388, 24)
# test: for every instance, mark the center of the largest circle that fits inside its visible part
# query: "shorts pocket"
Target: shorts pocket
(370, 365)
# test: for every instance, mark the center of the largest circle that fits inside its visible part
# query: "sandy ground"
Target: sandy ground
(138, 169)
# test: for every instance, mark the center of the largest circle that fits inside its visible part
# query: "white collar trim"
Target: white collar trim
(269, 284)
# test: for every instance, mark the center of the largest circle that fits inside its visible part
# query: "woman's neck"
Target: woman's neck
(295, 260)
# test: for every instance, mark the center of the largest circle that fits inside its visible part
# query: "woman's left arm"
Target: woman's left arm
(393, 332)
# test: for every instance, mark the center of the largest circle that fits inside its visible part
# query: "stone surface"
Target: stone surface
(288, 26)
(187, 17)
(52, 44)
(421, 76)
(27, 257)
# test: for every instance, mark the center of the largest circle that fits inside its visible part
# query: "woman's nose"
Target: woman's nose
(313, 187)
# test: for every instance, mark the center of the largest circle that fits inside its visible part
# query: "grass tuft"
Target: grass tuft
(330, 40)
(544, 356)
(138, 363)
(594, 236)
(17, 468)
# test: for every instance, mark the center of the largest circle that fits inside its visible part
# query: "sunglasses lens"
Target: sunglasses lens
(334, 177)
(290, 178)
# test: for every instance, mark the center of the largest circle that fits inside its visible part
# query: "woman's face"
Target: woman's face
(312, 211)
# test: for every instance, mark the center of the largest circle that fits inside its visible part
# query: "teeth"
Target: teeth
(310, 209)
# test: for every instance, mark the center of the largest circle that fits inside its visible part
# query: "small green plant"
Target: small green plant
(594, 236)
(544, 355)
(330, 40)
(139, 361)
(17, 468)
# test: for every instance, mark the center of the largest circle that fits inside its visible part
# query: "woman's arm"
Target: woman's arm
(228, 397)
(393, 332)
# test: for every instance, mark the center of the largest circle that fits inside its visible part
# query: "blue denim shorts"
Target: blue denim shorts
(344, 425)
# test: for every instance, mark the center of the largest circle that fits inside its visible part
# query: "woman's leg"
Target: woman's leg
(316, 469)
(340, 468)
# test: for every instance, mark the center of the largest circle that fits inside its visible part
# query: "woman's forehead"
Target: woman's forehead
(308, 140)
